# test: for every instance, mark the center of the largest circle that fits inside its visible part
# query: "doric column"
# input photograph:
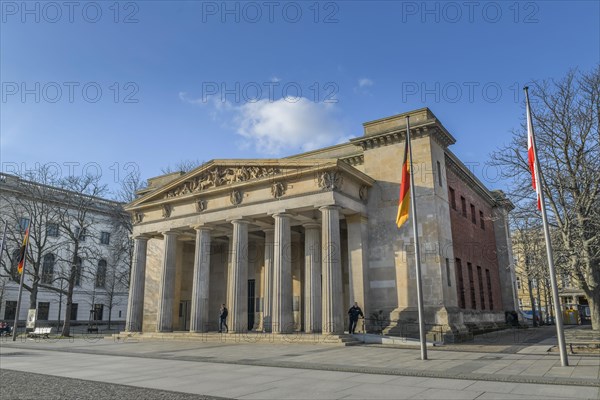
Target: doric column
(135, 303)
(332, 271)
(283, 317)
(166, 292)
(199, 314)
(237, 295)
(268, 280)
(312, 278)
(357, 258)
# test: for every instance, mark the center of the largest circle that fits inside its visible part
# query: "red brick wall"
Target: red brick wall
(474, 245)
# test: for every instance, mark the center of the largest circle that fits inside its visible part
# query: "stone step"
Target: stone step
(250, 337)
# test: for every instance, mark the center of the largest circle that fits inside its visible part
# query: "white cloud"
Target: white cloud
(287, 125)
(365, 82)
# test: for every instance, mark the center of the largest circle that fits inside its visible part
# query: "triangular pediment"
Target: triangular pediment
(218, 174)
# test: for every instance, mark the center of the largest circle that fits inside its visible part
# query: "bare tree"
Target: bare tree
(76, 213)
(566, 116)
(27, 200)
(182, 166)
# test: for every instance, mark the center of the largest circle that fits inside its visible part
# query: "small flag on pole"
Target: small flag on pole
(404, 200)
(531, 157)
(23, 251)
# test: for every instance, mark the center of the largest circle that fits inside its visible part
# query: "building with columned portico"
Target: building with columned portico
(289, 244)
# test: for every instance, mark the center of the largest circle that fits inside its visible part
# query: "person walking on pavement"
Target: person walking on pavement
(353, 313)
(223, 313)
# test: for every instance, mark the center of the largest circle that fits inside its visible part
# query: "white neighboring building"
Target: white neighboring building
(101, 283)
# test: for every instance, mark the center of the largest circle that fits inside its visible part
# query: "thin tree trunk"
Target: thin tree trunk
(532, 300)
(66, 331)
(539, 301)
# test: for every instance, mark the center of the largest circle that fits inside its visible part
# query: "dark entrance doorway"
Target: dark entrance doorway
(251, 302)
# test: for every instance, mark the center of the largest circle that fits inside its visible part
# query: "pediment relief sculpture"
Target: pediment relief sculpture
(200, 205)
(138, 217)
(330, 180)
(236, 197)
(220, 176)
(278, 189)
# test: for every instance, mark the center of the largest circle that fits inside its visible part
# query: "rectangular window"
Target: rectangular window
(98, 312)
(81, 233)
(439, 171)
(23, 223)
(472, 286)
(481, 221)
(74, 309)
(481, 291)
(473, 217)
(9, 310)
(461, 284)
(463, 203)
(448, 272)
(489, 289)
(43, 311)
(452, 199)
(520, 303)
(518, 283)
(105, 238)
(52, 229)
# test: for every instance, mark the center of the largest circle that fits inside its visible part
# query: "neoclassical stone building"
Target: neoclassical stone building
(289, 244)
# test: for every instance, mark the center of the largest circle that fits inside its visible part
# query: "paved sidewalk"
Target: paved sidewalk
(146, 370)
(498, 367)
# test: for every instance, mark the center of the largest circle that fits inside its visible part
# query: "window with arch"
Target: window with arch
(48, 268)
(78, 271)
(101, 274)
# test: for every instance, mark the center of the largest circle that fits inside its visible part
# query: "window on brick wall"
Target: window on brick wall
(448, 272)
(489, 288)
(473, 217)
(518, 283)
(439, 171)
(471, 286)
(452, 199)
(481, 291)
(481, 221)
(461, 284)
(463, 203)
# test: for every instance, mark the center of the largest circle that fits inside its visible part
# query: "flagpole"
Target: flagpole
(14, 333)
(413, 207)
(538, 175)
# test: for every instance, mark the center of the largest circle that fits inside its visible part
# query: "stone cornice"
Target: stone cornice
(397, 135)
(463, 173)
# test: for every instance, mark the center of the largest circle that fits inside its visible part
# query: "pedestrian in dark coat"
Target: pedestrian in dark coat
(354, 312)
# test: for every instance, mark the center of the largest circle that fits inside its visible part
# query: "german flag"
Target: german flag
(23, 252)
(404, 200)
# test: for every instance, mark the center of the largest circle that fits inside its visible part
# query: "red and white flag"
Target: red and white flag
(531, 153)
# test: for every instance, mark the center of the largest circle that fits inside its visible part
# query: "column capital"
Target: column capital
(238, 220)
(312, 225)
(202, 227)
(170, 233)
(281, 214)
(330, 207)
(139, 237)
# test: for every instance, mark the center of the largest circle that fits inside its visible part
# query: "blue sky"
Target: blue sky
(203, 80)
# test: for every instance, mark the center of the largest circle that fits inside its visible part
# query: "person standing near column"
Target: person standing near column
(223, 313)
(353, 313)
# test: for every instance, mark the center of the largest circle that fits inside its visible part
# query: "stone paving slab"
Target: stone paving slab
(494, 367)
(248, 382)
